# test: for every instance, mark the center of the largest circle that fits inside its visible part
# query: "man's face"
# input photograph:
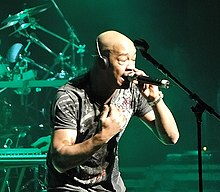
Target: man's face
(122, 62)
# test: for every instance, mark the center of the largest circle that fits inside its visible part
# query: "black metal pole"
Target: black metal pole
(200, 107)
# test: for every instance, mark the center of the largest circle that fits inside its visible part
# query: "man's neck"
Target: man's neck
(100, 89)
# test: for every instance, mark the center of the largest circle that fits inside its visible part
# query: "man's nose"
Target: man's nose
(130, 65)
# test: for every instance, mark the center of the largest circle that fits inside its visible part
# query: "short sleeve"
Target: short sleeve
(65, 111)
(141, 107)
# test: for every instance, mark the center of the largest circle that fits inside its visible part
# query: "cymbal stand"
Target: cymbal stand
(32, 39)
(35, 40)
(62, 60)
(70, 29)
(51, 33)
(5, 182)
(73, 38)
(34, 25)
(61, 57)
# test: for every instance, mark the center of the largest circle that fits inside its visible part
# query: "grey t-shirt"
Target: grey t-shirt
(75, 108)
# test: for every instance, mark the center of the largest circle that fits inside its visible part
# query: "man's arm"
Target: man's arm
(162, 123)
(67, 154)
(160, 119)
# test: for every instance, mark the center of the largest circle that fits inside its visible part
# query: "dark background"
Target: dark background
(183, 36)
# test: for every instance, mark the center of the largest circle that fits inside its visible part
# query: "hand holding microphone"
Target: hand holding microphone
(138, 76)
(146, 85)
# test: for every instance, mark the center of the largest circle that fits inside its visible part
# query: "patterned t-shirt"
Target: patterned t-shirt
(75, 108)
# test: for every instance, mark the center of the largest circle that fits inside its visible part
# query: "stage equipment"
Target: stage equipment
(25, 25)
(19, 73)
(21, 158)
(4, 69)
(24, 14)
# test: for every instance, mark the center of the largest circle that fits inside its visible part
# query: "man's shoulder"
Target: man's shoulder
(74, 88)
(79, 82)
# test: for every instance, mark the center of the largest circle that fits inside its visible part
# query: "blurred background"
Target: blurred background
(59, 37)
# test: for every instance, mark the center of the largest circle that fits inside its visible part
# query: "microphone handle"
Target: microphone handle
(144, 79)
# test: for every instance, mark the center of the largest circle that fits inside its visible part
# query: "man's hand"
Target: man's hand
(112, 121)
(150, 92)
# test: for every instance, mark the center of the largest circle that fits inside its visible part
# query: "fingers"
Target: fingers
(112, 114)
(113, 110)
(139, 72)
(116, 114)
(108, 111)
(105, 112)
(112, 121)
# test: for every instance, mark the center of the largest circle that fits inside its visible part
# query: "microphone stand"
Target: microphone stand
(198, 109)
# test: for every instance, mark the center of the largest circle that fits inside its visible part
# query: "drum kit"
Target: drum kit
(18, 66)
(17, 61)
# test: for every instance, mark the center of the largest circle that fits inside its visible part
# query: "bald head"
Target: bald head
(117, 55)
(109, 40)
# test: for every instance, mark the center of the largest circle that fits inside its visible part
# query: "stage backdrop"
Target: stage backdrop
(183, 37)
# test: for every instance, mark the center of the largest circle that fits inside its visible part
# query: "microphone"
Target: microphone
(163, 83)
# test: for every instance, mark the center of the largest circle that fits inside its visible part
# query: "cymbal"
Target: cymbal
(37, 9)
(9, 24)
(25, 13)
(22, 26)
(17, 17)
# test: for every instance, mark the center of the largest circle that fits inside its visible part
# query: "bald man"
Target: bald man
(90, 114)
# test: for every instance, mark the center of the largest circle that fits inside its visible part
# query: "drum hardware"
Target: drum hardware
(25, 25)
(19, 19)
(4, 69)
(8, 143)
(9, 24)
(63, 62)
(35, 184)
(19, 159)
(70, 29)
(32, 38)
(18, 133)
(22, 134)
(71, 43)
(24, 20)
(13, 20)
(6, 115)
(13, 135)
(3, 89)
(25, 58)
(20, 129)
(20, 70)
(24, 14)
(61, 56)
